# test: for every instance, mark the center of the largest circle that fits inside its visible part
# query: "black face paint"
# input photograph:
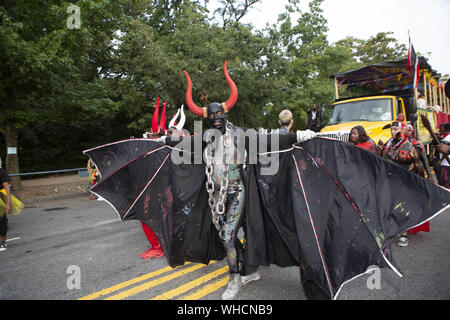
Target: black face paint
(217, 117)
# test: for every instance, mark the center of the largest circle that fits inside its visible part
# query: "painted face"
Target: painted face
(216, 116)
(396, 132)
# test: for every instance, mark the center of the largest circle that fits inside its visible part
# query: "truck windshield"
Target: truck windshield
(363, 110)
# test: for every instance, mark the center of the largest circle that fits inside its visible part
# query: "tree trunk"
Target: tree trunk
(12, 157)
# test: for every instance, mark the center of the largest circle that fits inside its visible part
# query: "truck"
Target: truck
(378, 93)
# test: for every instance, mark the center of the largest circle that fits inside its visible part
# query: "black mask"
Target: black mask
(217, 117)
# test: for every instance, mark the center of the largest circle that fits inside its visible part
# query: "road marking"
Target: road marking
(154, 283)
(128, 283)
(188, 286)
(207, 290)
(12, 239)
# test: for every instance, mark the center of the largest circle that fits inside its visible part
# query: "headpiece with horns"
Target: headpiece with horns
(156, 127)
(179, 126)
(226, 105)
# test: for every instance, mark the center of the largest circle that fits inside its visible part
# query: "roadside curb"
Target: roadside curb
(37, 194)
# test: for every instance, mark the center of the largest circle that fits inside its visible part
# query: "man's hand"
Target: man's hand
(443, 148)
(380, 143)
(303, 136)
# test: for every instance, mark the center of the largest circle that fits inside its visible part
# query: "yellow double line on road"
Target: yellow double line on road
(169, 294)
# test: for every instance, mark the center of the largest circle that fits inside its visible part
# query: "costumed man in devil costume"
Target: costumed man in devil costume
(320, 210)
(225, 178)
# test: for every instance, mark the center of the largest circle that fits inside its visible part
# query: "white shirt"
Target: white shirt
(444, 162)
(421, 103)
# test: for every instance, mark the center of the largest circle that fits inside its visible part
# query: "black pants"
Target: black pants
(3, 226)
(314, 127)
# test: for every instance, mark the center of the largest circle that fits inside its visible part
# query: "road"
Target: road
(79, 249)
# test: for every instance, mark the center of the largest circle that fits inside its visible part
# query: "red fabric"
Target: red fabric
(150, 235)
(369, 145)
(441, 117)
(423, 227)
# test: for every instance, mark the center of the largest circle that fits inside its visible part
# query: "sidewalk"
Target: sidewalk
(42, 189)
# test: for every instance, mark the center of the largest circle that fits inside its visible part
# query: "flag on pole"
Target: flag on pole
(413, 64)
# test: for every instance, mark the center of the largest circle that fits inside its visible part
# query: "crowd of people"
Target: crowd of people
(405, 150)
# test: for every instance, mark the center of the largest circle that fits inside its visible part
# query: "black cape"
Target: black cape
(332, 209)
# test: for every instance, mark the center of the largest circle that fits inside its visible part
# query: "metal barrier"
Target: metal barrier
(80, 170)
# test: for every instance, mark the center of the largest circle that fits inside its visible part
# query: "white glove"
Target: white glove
(303, 136)
(162, 139)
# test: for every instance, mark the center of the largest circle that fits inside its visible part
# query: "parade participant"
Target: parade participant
(400, 150)
(158, 128)
(444, 148)
(4, 184)
(401, 117)
(409, 133)
(359, 138)
(314, 119)
(176, 129)
(225, 183)
(445, 165)
(286, 121)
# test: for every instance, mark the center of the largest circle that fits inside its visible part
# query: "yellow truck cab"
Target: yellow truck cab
(378, 93)
(374, 114)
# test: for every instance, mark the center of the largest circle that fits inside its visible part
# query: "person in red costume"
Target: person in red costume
(157, 130)
(359, 138)
(156, 250)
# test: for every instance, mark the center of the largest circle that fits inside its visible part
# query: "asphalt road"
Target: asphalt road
(78, 248)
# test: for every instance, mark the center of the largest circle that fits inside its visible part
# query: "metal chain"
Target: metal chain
(218, 207)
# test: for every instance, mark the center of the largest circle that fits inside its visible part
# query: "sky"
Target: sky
(428, 22)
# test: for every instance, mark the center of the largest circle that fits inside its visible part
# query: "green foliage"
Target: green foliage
(381, 47)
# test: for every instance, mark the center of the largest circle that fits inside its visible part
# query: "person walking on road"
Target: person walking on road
(4, 181)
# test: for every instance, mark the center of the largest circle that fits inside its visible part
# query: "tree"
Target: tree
(378, 48)
(308, 60)
(232, 11)
(49, 71)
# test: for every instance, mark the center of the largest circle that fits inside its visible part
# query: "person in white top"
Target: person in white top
(421, 102)
(445, 174)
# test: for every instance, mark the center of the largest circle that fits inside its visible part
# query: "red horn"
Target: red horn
(155, 128)
(192, 106)
(233, 90)
(162, 122)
